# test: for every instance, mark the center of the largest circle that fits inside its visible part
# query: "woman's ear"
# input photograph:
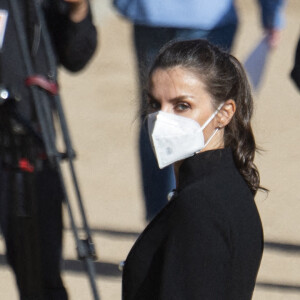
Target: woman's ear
(226, 113)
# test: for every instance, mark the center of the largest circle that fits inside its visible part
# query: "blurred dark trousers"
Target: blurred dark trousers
(148, 41)
(32, 227)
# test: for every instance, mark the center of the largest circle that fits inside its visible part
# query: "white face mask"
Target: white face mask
(175, 137)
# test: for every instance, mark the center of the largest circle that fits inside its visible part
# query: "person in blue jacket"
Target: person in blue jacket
(157, 22)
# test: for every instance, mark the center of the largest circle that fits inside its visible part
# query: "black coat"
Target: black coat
(207, 243)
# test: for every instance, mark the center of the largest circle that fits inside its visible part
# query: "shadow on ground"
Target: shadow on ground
(111, 232)
(107, 269)
(288, 248)
(276, 286)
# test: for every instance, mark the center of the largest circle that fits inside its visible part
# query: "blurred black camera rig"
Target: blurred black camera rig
(14, 129)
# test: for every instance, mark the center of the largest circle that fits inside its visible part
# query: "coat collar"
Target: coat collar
(204, 163)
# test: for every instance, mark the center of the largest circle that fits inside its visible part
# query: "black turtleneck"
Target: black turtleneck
(206, 243)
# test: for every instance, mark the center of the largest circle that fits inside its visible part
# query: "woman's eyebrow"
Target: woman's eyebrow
(181, 98)
(175, 99)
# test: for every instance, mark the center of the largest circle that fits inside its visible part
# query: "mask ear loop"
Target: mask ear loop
(216, 130)
(212, 116)
(207, 122)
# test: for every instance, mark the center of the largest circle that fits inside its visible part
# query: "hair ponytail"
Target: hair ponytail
(238, 133)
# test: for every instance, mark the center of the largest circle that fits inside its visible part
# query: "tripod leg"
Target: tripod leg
(82, 248)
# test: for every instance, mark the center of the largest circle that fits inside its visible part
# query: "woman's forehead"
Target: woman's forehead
(175, 80)
(175, 75)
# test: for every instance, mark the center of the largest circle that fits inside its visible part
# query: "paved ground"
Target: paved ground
(101, 104)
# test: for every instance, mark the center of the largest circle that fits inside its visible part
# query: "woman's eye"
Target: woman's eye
(182, 107)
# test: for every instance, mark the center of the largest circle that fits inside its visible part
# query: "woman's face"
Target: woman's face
(179, 91)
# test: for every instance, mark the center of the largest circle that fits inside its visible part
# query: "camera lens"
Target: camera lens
(4, 95)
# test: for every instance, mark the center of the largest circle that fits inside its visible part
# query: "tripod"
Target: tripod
(41, 89)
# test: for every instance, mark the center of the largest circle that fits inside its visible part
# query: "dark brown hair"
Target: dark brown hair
(225, 79)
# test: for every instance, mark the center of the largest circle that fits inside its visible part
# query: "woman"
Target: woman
(207, 242)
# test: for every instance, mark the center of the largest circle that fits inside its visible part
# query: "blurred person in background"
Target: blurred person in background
(30, 189)
(156, 23)
(295, 74)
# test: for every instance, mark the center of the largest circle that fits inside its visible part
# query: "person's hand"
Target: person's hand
(79, 9)
(273, 36)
